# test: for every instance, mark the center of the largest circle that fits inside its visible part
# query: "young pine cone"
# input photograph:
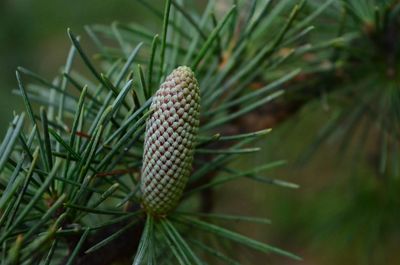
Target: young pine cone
(169, 141)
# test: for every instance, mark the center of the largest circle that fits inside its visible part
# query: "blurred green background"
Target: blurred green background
(340, 215)
(33, 34)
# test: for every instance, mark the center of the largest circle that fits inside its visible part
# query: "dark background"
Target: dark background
(33, 34)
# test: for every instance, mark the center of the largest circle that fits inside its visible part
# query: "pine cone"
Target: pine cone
(169, 141)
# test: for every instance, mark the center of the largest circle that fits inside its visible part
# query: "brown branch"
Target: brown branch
(120, 249)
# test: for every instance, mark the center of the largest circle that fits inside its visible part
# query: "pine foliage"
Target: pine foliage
(71, 164)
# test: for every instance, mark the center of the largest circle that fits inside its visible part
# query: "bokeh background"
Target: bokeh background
(33, 34)
(339, 215)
